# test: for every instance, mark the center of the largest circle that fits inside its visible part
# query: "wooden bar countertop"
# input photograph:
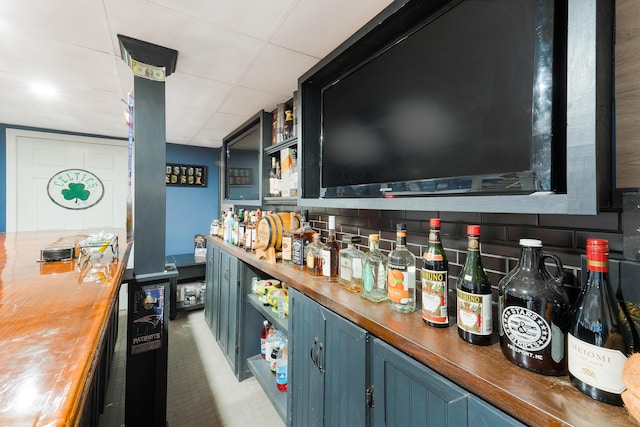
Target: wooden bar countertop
(53, 318)
(533, 399)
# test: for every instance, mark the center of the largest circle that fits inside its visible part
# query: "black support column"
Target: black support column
(149, 288)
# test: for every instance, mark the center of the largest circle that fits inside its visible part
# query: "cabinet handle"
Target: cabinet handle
(314, 358)
(320, 358)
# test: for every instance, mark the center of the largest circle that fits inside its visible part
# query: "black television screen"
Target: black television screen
(462, 103)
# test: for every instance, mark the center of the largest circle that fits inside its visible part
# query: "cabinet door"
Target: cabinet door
(227, 308)
(215, 294)
(345, 378)
(407, 393)
(328, 366)
(306, 332)
(483, 414)
(208, 295)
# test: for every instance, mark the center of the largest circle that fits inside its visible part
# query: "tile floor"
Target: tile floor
(202, 390)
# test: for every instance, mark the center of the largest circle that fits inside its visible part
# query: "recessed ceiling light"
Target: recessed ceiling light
(43, 89)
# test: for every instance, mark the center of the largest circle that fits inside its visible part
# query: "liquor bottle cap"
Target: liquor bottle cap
(332, 222)
(473, 230)
(434, 222)
(350, 238)
(401, 227)
(597, 245)
(374, 237)
(293, 214)
(531, 243)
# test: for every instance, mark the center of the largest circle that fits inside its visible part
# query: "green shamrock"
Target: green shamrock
(76, 191)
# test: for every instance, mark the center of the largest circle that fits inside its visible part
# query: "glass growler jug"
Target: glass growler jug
(534, 312)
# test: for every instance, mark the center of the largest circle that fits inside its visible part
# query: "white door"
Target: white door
(65, 182)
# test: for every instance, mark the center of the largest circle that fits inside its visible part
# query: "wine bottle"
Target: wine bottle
(435, 268)
(474, 295)
(401, 274)
(330, 252)
(597, 350)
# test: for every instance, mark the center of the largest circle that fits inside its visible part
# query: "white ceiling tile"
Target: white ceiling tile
(277, 70)
(256, 18)
(247, 101)
(234, 59)
(317, 27)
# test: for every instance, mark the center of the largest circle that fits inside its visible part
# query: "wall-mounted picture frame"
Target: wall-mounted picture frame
(186, 175)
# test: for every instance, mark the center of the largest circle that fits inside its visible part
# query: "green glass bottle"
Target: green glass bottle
(474, 295)
(435, 268)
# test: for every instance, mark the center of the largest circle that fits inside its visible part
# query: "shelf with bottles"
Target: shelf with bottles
(283, 175)
(281, 323)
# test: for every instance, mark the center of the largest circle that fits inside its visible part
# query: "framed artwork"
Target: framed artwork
(186, 175)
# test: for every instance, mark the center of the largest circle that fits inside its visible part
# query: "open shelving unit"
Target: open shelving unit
(257, 365)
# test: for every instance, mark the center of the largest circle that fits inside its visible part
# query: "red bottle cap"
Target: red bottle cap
(473, 230)
(434, 222)
(600, 246)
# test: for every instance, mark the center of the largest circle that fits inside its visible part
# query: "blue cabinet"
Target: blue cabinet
(407, 393)
(328, 366)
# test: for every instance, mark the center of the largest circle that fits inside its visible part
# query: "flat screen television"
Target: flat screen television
(470, 99)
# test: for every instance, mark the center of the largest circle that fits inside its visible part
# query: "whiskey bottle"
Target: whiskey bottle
(287, 240)
(302, 239)
(330, 253)
(350, 264)
(314, 256)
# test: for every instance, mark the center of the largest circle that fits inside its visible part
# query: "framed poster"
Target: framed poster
(186, 175)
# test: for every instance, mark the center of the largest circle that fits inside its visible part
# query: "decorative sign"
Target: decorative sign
(148, 319)
(186, 175)
(75, 189)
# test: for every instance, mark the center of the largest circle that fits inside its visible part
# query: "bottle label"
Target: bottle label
(297, 255)
(400, 280)
(346, 273)
(310, 260)
(434, 296)
(286, 248)
(474, 313)
(356, 268)
(281, 374)
(526, 329)
(597, 366)
(326, 263)
(368, 278)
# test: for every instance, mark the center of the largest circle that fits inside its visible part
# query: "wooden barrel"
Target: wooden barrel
(270, 228)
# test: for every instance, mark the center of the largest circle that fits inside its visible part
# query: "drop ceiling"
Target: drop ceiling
(235, 57)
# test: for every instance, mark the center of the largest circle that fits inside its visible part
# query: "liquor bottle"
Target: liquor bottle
(243, 217)
(474, 295)
(401, 274)
(314, 256)
(287, 240)
(350, 264)
(302, 239)
(264, 332)
(597, 350)
(273, 179)
(374, 272)
(330, 253)
(288, 124)
(228, 225)
(235, 228)
(249, 232)
(435, 274)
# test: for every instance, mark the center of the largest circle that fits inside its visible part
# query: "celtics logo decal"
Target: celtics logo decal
(75, 189)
